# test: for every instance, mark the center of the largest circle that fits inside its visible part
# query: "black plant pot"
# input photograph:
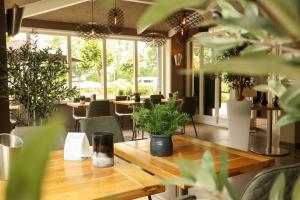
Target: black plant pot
(161, 145)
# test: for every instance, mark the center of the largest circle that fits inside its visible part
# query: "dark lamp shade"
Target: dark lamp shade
(103, 149)
(13, 20)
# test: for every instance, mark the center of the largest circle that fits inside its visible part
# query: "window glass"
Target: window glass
(87, 66)
(120, 64)
(148, 69)
(53, 42)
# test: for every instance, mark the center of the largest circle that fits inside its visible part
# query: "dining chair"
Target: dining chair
(189, 107)
(122, 111)
(79, 113)
(156, 98)
(98, 108)
(259, 187)
(102, 124)
(27, 131)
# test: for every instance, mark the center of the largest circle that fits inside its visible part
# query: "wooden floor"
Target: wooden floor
(220, 136)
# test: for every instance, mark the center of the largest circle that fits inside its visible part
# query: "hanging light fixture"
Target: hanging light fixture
(154, 39)
(178, 59)
(92, 30)
(184, 20)
(14, 19)
(115, 19)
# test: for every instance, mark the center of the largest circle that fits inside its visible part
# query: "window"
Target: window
(87, 73)
(120, 65)
(87, 66)
(147, 69)
(53, 42)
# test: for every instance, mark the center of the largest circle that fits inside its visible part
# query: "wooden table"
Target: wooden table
(14, 108)
(269, 150)
(133, 103)
(69, 180)
(188, 148)
(78, 105)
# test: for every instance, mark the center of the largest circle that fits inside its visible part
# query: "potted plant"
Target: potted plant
(160, 121)
(37, 81)
(238, 110)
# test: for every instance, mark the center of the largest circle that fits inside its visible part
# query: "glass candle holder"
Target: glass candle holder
(103, 149)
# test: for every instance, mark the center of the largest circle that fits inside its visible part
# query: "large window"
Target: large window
(86, 66)
(148, 69)
(120, 66)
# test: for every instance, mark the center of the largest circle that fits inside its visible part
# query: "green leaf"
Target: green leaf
(188, 169)
(296, 190)
(277, 190)
(221, 43)
(228, 11)
(224, 176)
(255, 24)
(178, 181)
(274, 86)
(285, 13)
(290, 100)
(255, 48)
(256, 65)
(161, 9)
(250, 8)
(287, 119)
(208, 164)
(28, 167)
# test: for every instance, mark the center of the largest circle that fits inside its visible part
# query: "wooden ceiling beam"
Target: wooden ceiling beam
(45, 6)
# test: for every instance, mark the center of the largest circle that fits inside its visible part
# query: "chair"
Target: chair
(98, 108)
(102, 124)
(26, 131)
(189, 107)
(156, 99)
(79, 113)
(260, 186)
(122, 110)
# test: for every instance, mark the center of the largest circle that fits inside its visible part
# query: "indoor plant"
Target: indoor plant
(238, 109)
(37, 81)
(160, 121)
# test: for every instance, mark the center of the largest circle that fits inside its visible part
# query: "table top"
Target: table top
(14, 107)
(69, 180)
(188, 148)
(78, 105)
(132, 102)
(268, 107)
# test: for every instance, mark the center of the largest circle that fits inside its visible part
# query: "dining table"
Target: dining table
(269, 150)
(80, 180)
(189, 148)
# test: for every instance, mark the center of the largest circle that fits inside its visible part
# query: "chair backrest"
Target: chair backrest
(189, 105)
(80, 112)
(98, 108)
(101, 124)
(156, 99)
(122, 109)
(27, 131)
(148, 104)
(259, 187)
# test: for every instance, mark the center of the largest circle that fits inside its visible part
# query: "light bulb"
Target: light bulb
(93, 32)
(115, 20)
(182, 31)
(184, 21)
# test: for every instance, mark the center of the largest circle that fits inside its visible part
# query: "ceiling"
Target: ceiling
(81, 13)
